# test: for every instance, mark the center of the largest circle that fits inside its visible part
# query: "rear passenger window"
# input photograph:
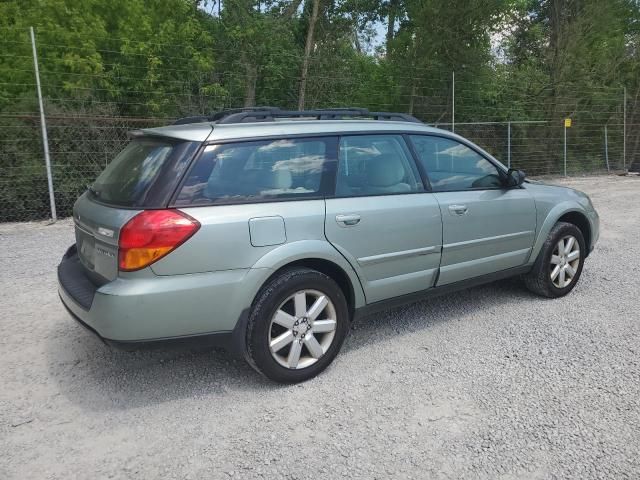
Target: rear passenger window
(375, 165)
(262, 170)
(451, 165)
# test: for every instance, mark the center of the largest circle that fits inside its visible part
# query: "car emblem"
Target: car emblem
(105, 232)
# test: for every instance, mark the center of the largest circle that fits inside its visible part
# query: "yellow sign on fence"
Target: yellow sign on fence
(567, 123)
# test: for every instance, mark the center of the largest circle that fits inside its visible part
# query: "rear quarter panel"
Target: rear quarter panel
(224, 239)
(227, 241)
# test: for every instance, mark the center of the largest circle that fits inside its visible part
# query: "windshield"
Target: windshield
(130, 175)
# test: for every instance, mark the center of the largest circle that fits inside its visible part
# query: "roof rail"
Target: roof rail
(319, 114)
(270, 114)
(216, 116)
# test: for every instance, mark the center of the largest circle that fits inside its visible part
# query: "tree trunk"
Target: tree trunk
(356, 39)
(556, 22)
(291, 9)
(307, 53)
(557, 16)
(413, 94)
(393, 11)
(250, 88)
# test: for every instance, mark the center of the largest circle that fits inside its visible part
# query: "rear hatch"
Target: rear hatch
(143, 176)
(97, 227)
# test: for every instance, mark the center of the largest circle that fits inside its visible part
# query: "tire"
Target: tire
(276, 314)
(540, 280)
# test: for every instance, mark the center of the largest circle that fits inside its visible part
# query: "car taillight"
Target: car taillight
(151, 235)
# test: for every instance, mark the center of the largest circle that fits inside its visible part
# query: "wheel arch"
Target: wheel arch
(564, 212)
(581, 221)
(330, 269)
(317, 255)
(314, 254)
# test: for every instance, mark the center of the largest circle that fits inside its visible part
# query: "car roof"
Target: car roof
(211, 131)
(195, 132)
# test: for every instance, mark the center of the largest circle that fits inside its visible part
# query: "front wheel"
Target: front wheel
(559, 263)
(297, 325)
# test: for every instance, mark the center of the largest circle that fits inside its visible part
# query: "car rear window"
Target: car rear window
(259, 171)
(129, 178)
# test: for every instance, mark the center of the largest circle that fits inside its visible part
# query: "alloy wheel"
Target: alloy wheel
(565, 261)
(302, 329)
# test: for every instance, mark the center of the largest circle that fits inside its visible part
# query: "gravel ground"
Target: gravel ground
(492, 382)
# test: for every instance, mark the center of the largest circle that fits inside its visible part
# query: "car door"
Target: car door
(381, 219)
(486, 227)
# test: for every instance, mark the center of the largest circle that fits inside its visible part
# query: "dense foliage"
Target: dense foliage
(110, 66)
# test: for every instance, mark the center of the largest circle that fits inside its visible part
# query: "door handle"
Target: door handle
(458, 209)
(348, 220)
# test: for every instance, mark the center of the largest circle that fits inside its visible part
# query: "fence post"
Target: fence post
(624, 130)
(453, 101)
(509, 144)
(43, 126)
(606, 148)
(565, 148)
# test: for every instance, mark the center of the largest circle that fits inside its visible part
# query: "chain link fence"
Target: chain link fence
(81, 146)
(538, 147)
(87, 120)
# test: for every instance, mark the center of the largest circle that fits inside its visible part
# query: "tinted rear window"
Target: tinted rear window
(258, 171)
(129, 178)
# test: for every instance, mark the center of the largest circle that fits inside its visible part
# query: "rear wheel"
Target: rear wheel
(297, 325)
(559, 263)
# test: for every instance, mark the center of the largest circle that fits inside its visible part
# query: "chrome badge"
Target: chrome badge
(104, 252)
(105, 232)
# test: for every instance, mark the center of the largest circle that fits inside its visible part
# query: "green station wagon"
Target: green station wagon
(269, 231)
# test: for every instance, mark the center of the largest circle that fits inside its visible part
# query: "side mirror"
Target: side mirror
(515, 178)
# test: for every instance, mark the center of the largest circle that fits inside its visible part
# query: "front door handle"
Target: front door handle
(458, 209)
(348, 220)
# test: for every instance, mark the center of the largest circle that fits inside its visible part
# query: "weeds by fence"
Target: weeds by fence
(88, 114)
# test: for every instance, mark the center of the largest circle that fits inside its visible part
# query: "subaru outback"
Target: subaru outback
(269, 231)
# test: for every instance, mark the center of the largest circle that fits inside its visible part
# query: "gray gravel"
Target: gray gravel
(487, 383)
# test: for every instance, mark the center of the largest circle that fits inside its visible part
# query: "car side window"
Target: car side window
(260, 170)
(451, 165)
(375, 165)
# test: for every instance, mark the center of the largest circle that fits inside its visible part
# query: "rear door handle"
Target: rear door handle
(458, 209)
(348, 220)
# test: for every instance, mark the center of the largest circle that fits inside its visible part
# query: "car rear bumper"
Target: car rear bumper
(151, 309)
(217, 339)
